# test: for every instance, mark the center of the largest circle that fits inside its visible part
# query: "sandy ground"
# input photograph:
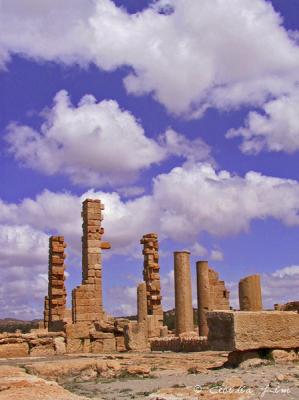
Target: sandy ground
(172, 377)
(266, 382)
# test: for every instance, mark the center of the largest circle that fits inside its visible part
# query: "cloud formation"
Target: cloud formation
(276, 128)
(195, 54)
(95, 144)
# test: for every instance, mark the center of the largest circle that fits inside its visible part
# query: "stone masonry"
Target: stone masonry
(291, 306)
(211, 294)
(250, 293)
(87, 304)
(56, 300)
(243, 331)
(151, 273)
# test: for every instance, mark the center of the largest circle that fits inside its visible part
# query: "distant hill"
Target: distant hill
(11, 325)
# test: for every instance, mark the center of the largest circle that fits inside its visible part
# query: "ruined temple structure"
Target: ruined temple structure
(211, 294)
(88, 329)
(291, 306)
(151, 275)
(250, 293)
(149, 308)
(87, 299)
(55, 302)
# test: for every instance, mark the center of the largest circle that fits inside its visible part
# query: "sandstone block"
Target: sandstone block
(77, 331)
(120, 343)
(59, 345)
(42, 351)
(283, 356)
(14, 350)
(246, 330)
(109, 345)
(135, 336)
(74, 345)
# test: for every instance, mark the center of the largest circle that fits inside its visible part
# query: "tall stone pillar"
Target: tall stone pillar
(151, 274)
(87, 303)
(203, 296)
(141, 302)
(250, 293)
(56, 299)
(183, 293)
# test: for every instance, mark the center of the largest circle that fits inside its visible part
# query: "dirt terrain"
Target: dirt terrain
(153, 376)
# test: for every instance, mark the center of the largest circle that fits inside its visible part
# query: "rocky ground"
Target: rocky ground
(152, 376)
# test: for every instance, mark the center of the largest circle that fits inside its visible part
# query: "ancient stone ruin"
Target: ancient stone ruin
(87, 299)
(55, 302)
(87, 328)
(151, 274)
(183, 293)
(211, 294)
(291, 306)
(250, 293)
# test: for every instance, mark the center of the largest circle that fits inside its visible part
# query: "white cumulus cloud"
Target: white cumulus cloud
(95, 143)
(199, 54)
(275, 129)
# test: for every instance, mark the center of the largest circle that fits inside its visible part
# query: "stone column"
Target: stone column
(56, 291)
(183, 292)
(250, 293)
(203, 296)
(151, 274)
(141, 302)
(87, 301)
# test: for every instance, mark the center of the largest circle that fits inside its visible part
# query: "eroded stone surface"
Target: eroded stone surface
(15, 383)
(253, 330)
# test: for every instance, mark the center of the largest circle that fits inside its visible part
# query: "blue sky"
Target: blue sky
(181, 115)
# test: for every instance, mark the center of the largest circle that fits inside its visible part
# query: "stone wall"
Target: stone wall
(219, 295)
(184, 343)
(32, 344)
(211, 294)
(291, 306)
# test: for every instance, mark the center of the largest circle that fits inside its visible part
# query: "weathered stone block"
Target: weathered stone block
(60, 345)
(14, 350)
(249, 330)
(109, 345)
(74, 345)
(120, 343)
(77, 331)
(41, 351)
(135, 336)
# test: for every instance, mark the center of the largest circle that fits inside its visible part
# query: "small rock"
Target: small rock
(138, 370)
(233, 382)
(281, 356)
(253, 363)
(280, 378)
